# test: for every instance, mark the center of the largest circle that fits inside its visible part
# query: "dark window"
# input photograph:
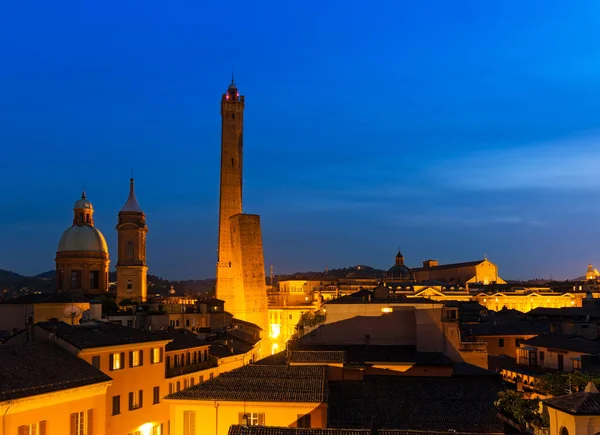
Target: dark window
(75, 279)
(232, 163)
(541, 356)
(94, 279)
(116, 405)
(561, 362)
(501, 342)
(129, 285)
(130, 323)
(61, 279)
(129, 250)
(533, 358)
(233, 116)
(96, 361)
(156, 395)
(304, 421)
(178, 386)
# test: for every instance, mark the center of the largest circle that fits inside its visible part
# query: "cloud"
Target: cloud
(570, 164)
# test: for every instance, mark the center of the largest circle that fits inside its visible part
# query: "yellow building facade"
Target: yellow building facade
(525, 301)
(44, 391)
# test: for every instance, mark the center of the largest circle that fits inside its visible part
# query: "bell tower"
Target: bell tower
(131, 265)
(230, 201)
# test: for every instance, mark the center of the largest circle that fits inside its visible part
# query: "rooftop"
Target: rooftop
(303, 351)
(569, 342)
(418, 403)
(30, 369)
(262, 383)
(581, 403)
(48, 298)
(99, 334)
(510, 328)
(365, 296)
(450, 266)
(182, 339)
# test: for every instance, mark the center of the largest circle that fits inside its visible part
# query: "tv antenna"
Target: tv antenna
(71, 312)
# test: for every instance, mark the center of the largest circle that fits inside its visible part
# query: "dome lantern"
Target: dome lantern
(83, 211)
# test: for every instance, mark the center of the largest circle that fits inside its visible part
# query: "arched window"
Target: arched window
(129, 250)
(564, 431)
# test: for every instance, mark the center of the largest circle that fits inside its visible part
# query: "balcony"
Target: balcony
(191, 368)
(468, 346)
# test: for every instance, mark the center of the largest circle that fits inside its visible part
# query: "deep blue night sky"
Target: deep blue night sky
(448, 129)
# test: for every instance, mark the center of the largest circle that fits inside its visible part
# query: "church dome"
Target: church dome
(82, 238)
(399, 272)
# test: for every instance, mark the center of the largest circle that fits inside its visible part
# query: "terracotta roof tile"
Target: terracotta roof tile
(31, 369)
(581, 403)
(262, 383)
(417, 403)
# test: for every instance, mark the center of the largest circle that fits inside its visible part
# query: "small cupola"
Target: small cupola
(83, 212)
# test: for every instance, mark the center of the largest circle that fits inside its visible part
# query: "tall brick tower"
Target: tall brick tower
(232, 124)
(131, 265)
(240, 265)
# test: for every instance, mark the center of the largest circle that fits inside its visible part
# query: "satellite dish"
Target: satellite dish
(71, 312)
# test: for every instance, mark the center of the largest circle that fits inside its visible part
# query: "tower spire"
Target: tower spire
(132, 204)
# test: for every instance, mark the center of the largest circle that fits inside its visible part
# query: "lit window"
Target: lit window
(156, 355)
(189, 423)
(33, 429)
(251, 418)
(117, 361)
(136, 358)
(387, 309)
(81, 423)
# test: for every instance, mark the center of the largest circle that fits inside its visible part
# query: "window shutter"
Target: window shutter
(130, 401)
(74, 424)
(141, 357)
(261, 419)
(122, 360)
(141, 398)
(161, 354)
(90, 422)
(21, 430)
(111, 361)
(131, 358)
(42, 427)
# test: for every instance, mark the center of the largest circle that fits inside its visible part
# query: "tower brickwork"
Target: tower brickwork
(232, 123)
(131, 267)
(249, 269)
(240, 265)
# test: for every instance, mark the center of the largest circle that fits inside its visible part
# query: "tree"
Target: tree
(559, 384)
(514, 405)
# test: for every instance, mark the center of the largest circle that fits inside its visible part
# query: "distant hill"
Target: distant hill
(13, 284)
(359, 271)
